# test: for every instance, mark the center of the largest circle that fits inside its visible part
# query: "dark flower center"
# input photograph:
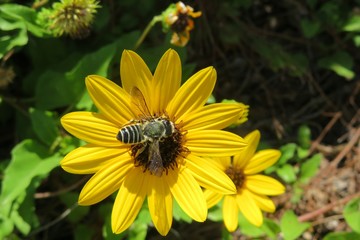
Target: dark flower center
(181, 23)
(236, 175)
(159, 154)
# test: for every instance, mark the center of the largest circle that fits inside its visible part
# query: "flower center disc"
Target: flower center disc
(236, 175)
(158, 154)
(180, 24)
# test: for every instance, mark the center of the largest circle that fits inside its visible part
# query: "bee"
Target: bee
(148, 131)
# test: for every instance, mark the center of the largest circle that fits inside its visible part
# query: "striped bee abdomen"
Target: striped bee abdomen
(130, 134)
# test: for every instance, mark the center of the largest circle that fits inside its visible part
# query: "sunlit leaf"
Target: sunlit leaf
(304, 136)
(179, 214)
(291, 227)
(271, 228)
(352, 24)
(286, 173)
(249, 229)
(24, 14)
(29, 159)
(352, 214)
(340, 62)
(342, 236)
(309, 168)
(287, 153)
(215, 213)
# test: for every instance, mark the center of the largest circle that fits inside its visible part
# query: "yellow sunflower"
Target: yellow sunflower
(178, 17)
(252, 187)
(150, 139)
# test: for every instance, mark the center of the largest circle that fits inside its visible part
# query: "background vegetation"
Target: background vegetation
(296, 63)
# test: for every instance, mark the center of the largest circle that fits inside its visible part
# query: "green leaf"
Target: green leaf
(29, 159)
(342, 236)
(352, 214)
(298, 192)
(279, 59)
(248, 229)
(58, 89)
(69, 143)
(304, 136)
(44, 125)
(215, 213)
(23, 209)
(286, 173)
(309, 168)
(105, 212)
(340, 62)
(302, 153)
(138, 231)
(144, 215)
(309, 28)
(6, 223)
(179, 214)
(291, 227)
(21, 13)
(19, 222)
(85, 103)
(356, 40)
(287, 153)
(352, 24)
(83, 231)
(16, 36)
(271, 228)
(225, 235)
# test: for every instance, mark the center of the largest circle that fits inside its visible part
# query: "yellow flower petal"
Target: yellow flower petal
(242, 159)
(249, 208)
(192, 94)
(213, 116)
(129, 200)
(264, 185)
(262, 160)
(264, 202)
(135, 73)
(187, 193)
(230, 213)
(214, 143)
(92, 127)
(160, 204)
(167, 79)
(112, 101)
(224, 162)
(212, 198)
(91, 158)
(105, 181)
(209, 175)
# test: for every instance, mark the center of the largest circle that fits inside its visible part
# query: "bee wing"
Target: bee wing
(156, 165)
(138, 100)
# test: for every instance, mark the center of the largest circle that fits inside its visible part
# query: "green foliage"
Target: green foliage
(319, 41)
(291, 227)
(15, 22)
(342, 236)
(31, 162)
(352, 214)
(340, 62)
(56, 93)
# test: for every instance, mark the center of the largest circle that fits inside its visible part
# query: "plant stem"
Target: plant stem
(147, 30)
